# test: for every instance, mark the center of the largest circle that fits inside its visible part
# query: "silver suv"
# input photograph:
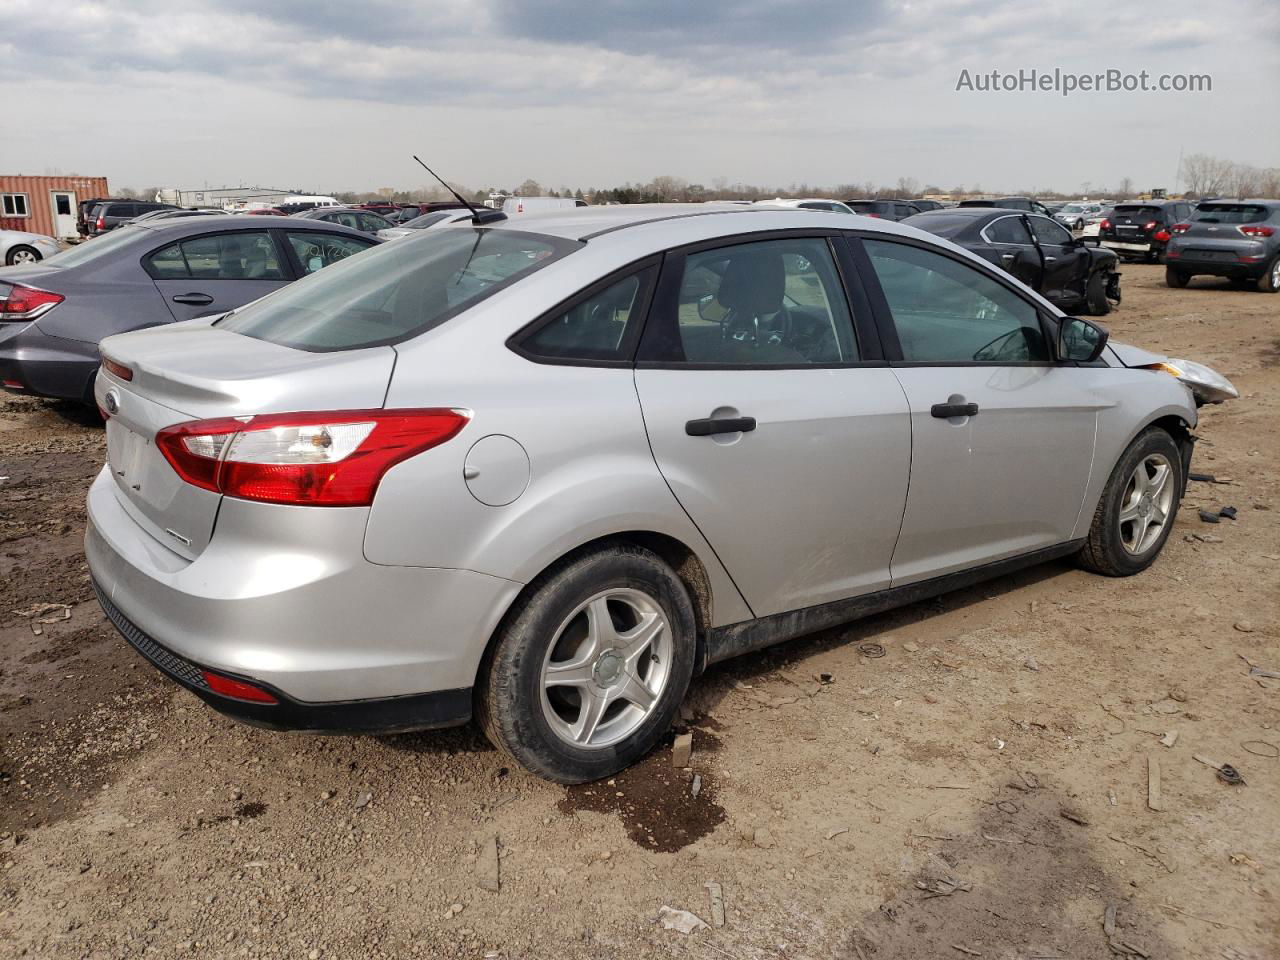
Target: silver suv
(547, 470)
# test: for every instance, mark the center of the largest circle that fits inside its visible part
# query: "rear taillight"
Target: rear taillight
(1149, 225)
(1161, 235)
(101, 224)
(116, 369)
(1180, 228)
(27, 303)
(238, 689)
(1252, 230)
(327, 459)
(1105, 224)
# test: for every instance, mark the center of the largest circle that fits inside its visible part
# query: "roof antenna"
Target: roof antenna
(478, 217)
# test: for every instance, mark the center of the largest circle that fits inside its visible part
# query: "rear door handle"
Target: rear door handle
(944, 411)
(710, 427)
(193, 299)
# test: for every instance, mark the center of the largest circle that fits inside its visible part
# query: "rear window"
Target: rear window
(98, 248)
(427, 219)
(940, 224)
(1229, 213)
(1137, 210)
(396, 291)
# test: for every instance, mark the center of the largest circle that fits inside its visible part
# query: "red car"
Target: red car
(267, 212)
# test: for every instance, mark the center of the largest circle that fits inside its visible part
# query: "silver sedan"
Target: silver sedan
(19, 248)
(545, 471)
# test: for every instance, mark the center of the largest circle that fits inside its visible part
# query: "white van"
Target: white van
(513, 205)
(314, 201)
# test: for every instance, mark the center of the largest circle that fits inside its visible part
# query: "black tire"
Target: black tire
(1095, 294)
(12, 256)
(1176, 278)
(509, 689)
(1104, 551)
(1269, 282)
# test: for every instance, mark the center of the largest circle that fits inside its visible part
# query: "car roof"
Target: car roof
(230, 221)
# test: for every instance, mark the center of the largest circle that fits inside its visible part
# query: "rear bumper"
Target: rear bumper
(282, 597)
(1217, 268)
(46, 366)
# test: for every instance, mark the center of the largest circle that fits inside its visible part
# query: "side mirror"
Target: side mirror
(1081, 340)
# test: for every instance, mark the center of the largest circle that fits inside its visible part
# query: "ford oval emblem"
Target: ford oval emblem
(112, 401)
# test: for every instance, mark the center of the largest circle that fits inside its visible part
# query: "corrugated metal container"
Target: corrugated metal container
(46, 205)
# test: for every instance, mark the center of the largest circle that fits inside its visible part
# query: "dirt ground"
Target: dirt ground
(979, 790)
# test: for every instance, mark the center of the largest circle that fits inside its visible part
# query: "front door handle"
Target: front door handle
(194, 299)
(1008, 256)
(1050, 259)
(712, 426)
(944, 411)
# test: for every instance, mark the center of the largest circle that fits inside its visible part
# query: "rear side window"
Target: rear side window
(121, 210)
(397, 290)
(1229, 213)
(243, 255)
(1008, 230)
(602, 325)
(770, 303)
(316, 251)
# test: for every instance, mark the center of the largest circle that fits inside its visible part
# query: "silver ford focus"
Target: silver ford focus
(544, 472)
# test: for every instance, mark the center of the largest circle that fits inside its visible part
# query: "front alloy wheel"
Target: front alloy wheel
(1147, 503)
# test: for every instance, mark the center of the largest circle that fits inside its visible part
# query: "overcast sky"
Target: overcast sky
(334, 95)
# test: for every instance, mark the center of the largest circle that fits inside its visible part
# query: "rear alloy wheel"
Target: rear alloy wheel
(591, 666)
(22, 255)
(1269, 282)
(1095, 294)
(1173, 277)
(1135, 514)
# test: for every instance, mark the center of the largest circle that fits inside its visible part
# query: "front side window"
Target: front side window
(600, 326)
(396, 290)
(1047, 231)
(243, 255)
(316, 251)
(1007, 230)
(372, 223)
(948, 312)
(14, 204)
(774, 302)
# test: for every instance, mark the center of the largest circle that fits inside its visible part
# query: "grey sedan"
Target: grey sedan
(546, 470)
(52, 314)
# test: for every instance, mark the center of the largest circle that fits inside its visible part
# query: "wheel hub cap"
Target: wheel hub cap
(608, 669)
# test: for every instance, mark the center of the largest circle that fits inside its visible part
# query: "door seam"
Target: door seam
(911, 453)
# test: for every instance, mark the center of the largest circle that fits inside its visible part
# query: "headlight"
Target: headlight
(1207, 384)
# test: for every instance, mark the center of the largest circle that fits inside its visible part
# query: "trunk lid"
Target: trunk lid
(193, 371)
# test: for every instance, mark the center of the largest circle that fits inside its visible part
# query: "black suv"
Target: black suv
(112, 213)
(884, 209)
(1141, 230)
(1011, 203)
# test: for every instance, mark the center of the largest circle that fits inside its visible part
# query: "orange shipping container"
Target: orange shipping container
(46, 205)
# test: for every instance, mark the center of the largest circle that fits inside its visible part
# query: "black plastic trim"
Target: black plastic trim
(422, 711)
(748, 635)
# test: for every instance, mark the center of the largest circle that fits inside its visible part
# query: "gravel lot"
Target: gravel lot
(980, 790)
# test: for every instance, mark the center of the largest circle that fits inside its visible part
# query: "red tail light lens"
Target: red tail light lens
(101, 224)
(27, 303)
(237, 688)
(326, 459)
(116, 369)
(1161, 235)
(1105, 224)
(1180, 228)
(1251, 230)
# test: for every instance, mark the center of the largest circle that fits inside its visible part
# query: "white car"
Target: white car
(809, 203)
(17, 247)
(437, 218)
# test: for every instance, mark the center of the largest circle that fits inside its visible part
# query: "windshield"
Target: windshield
(1229, 213)
(426, 220)
(395, 291)
(96, 248)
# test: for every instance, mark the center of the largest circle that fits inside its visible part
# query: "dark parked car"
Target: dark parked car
(84, 210)
(142, 275)
(410, 211)
(1037, 250)
(924, 206)
(1141, 230)
(884, 209)
(110, 214)
(353, 217)
(1239, 239)
(1011, 203)
(381, 207)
